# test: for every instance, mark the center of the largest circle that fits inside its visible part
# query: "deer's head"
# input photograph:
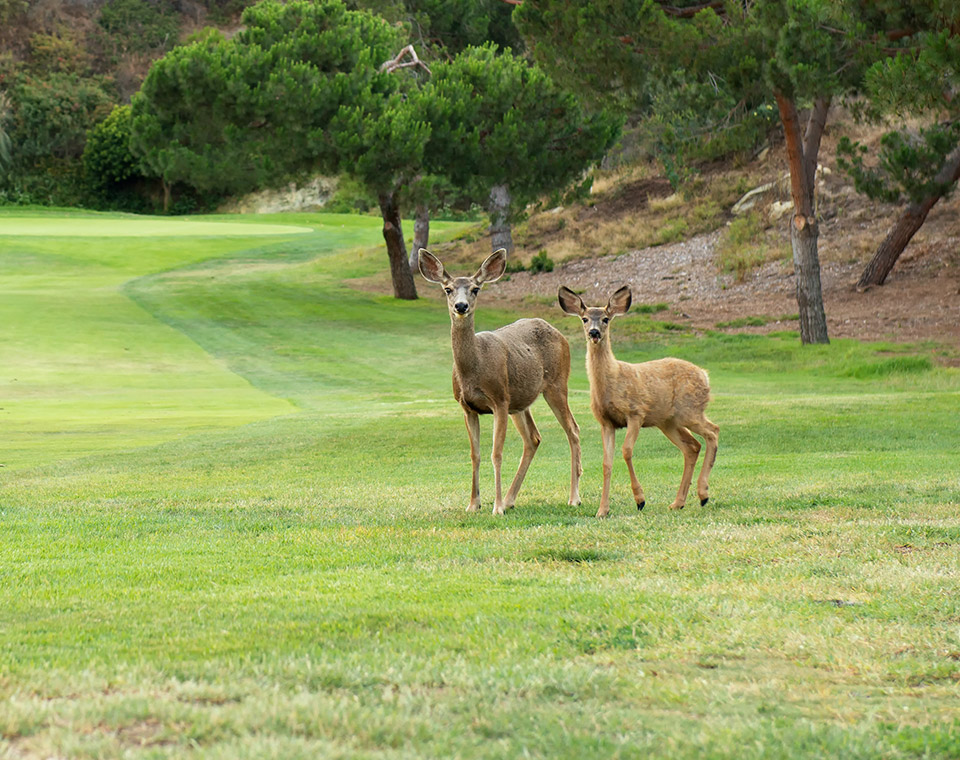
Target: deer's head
(596, 319)
(462, 291)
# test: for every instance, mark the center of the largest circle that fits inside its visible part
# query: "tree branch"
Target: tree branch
(692, 11)
(799, 187)
(816, 123)
(398, 63)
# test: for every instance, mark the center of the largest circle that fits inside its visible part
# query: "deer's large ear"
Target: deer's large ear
(570, 302)
(432, 268)
(493, 268)
(620, 301)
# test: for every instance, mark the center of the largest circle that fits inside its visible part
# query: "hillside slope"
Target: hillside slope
(717, 270)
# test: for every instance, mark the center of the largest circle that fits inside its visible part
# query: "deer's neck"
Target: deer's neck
(600, 362)
(464, 342)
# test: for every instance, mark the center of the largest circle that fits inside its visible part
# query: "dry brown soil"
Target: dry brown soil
(919, 302)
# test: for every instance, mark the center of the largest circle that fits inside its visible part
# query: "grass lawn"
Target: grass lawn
(232, 525)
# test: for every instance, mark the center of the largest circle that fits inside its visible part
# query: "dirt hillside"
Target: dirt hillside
(633, 230)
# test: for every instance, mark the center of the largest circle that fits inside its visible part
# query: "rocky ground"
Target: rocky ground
(919, 302)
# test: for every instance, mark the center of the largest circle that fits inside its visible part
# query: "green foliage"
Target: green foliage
(741, 248)
(672, 231)
(447, 27)
(541, 262)
(254, 111)
(744, 322)
(497, 120)
(350, 197)
(380, 140)
(5, 142)
(108, 164)
(52, 115)
(700, 83)
(898, 365)
(107, 158)
(649, 308)
(11, 9)
(61, 52)
(138, 26)
(919, 82)
(46, 125)
(907, 163)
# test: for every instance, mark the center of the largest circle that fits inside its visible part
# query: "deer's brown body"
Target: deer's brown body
(502, 373)
(669, 394)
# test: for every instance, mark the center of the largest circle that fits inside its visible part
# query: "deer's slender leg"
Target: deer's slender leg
(500, 416)
(711, 434)
(609, 436)
(531, 441)
(629, 440)
(472, 421)
(690, 448)
(556, 398)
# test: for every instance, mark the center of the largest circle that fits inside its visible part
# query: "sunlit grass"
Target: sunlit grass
(295, 574)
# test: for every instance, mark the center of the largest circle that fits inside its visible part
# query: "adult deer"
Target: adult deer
(502, 373)
(670, 394)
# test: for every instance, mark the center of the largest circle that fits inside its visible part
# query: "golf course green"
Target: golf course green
(232, 524)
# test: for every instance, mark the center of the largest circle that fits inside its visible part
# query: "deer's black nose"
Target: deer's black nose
(461, 307)
(594, 333)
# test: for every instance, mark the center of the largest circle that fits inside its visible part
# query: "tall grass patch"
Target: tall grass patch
(743, 248)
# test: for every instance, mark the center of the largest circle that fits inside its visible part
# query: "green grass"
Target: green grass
(757, 321)
(231, 525)
(741, 249)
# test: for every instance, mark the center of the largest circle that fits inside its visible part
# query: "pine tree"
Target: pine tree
(801, 53)
(505, 134)
(917, 167)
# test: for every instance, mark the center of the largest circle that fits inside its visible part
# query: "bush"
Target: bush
(138, 26)
(10, 9)
(741, 248)
(111, 171)
(50, 53)
(46, 128)
(541, 262)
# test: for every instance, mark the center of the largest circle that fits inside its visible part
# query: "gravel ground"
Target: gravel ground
(920, 301)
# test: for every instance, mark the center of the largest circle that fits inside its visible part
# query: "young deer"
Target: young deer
(502, 373)
(670, 394)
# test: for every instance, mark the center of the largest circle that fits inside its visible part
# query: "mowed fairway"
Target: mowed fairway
(232, 526)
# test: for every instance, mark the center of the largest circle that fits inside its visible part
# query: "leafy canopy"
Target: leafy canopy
(499, 120)
(253, 111)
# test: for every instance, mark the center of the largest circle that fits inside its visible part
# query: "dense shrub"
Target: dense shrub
(138, 26)
(111, 171)
(46, 129)
(50, 53)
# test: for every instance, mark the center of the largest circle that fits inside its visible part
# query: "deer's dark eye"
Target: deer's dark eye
(475, 291)
(605, 320)
(448, 291)
(584, 320)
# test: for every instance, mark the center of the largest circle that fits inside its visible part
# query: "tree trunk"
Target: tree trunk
(421, 236)
(403, 284)
(500, 234)
(913, 217)
(806, 266)
(166, 195)
(802, 158)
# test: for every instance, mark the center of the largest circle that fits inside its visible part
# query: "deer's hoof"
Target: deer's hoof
(603, 515)
(676, 506)
(473, 508)
(703, 502)
(641, 505)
